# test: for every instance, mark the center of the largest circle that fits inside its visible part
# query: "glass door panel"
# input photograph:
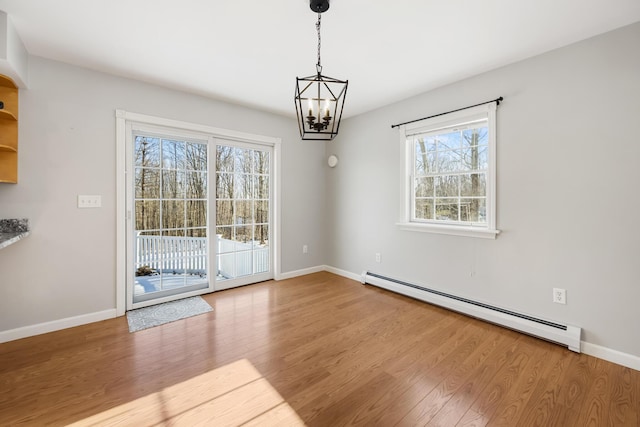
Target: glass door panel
(170, 217)
(243, 200)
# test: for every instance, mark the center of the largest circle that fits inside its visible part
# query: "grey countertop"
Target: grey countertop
(13, 230)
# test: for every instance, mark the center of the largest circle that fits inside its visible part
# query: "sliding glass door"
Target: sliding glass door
(170, 236)
(200, 214)
(243, 214)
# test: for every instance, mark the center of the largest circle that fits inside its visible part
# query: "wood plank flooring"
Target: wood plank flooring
(317, 350)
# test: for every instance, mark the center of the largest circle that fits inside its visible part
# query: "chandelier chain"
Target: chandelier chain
(319, 65)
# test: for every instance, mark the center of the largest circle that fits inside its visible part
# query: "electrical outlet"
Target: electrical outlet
(305, 249)
(559, 296)
(378, 257)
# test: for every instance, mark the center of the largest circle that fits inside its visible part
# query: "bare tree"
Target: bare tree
(476, 141)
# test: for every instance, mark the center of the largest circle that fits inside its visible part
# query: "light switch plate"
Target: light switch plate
(85, 201)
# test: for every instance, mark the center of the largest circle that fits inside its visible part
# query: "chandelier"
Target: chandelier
(319, 99)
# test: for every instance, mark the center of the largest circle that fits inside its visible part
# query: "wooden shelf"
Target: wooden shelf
(7, 115)
(8, 131)
(7, 82)
(9, 167)
(8, 148)
(8, 135)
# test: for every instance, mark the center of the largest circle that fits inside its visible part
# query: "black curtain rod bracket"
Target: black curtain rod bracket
(497, 101)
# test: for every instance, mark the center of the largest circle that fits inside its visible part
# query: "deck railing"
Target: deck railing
(189, 255)
(237, 259)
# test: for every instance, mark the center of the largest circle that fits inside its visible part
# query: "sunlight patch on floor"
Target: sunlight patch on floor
(233, 395)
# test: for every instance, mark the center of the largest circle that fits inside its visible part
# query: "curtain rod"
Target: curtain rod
(497, 100)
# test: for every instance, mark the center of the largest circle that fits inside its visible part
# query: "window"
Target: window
(449, 173)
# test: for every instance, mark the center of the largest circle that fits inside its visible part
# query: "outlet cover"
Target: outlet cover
(559, 296)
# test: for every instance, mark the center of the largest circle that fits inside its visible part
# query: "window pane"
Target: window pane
(244, 160)
(447, 209)
(425, 161)
(449, 141)
(224, 158)
(173, 213)
(469, 160)
(147, 152)
(173, 184)
(448, 161)
(261, 214)
(261, 162)
(261, 249)
(196, 183)
(473, 210)
(424, 187)
(224, 212)
(196, 213)
(244, 234)
(243, 214)
(261, 187)
(261, 235)
(147, 214)
(431, 143)
(226, 266)
(477, 136)
(424, 209)
(473, 185)
(225, 233)
(432, 162)
(483, 158)
(196, 156)
(173, 154)
(447, 186)
(147, 182)
(243, 263)
(224, 186)
(242, 186)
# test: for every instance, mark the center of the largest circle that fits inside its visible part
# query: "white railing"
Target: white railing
(166, 254)
(172, 253)
(237, 259)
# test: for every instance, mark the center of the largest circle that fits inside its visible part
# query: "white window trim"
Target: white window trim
(124, 118)
(404, 223)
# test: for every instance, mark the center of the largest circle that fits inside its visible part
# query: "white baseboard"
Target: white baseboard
(55, 325)
(304, 271)
(343, 273)
(613, 356)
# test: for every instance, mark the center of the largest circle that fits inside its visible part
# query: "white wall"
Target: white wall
(66, 267)
(568, 175)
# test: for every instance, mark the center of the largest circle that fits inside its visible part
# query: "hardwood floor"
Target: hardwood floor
(317, 350)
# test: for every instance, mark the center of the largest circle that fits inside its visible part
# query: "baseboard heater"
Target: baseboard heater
(562, 334)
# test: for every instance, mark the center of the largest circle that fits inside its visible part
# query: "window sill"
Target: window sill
(453, 230)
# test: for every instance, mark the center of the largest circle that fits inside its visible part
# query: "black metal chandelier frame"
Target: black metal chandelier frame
(324, 96)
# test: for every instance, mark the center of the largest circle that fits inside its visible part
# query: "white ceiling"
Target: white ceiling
(250, 52)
